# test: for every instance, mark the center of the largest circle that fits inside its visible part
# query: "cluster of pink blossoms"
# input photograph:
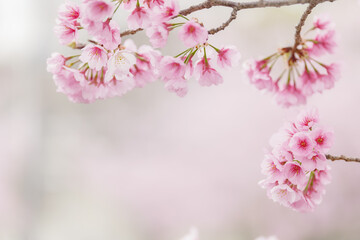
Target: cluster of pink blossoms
(108, 67)
(297, 168)
(302, 75)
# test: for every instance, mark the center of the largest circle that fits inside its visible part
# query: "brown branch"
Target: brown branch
(245, 5)
(303, 18)
(225, 24)
(236, 6)
(130, 32)
(342, 157)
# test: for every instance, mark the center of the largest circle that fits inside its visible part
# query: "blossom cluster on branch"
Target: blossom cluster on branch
(108, 66)
(296, 169)
(301, 74)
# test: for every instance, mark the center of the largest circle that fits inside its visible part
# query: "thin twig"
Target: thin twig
(301, 23)
(225, 24)
(342, 157)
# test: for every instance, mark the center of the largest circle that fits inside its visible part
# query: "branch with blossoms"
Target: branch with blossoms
(296, 168)
(102, 70)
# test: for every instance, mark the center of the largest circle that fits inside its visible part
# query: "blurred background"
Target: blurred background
(149, 165)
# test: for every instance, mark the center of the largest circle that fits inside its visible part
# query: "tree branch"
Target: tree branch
(130, 32)
(225, 24)
(303, 18)
(342, 157)
(236, 6)
(246, 5)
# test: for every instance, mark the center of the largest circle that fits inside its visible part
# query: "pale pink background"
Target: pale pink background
(150, 165)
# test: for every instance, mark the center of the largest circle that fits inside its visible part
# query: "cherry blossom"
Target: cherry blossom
(192, 34)
(98, 10)
(95, 56)
(55, 63)
(303, 74)
(296, 169)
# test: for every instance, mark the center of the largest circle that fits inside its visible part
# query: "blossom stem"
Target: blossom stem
(321, 64)
(289, 76)
(72, 64)
(180, 15)
(310, 182)
(215, 48)
(118, 5)
(71, 57)
(274, 61)
(183, 53)
(205, 57)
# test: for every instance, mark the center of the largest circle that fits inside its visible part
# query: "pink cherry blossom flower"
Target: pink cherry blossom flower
(321, 22)
(55, 63)
(102, 90)
(333, 72)
(69, 12)
(307, 119)
(270, 167)
(93, 27)
(154, 3)
(128, 4)
(301, 144)
(228, 57)
(149, 58)
(192, 34)
(171, 68)
(259, 74)
(109, 35)
(290, 96)
(142, 76)
(284, 195)
(294, 172)
(283, 155)
(67, 84)
(98, 10)
(323, 139)
(119, 65)
(316, 161)
(66, 32)
(205, 74)
(139, 18)
(169, 10)
(309, 82)
(158, 34)
(95, 56)
(178, 86)
(323, 43)
(94, 87)
(120, 87)
(324, 175)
